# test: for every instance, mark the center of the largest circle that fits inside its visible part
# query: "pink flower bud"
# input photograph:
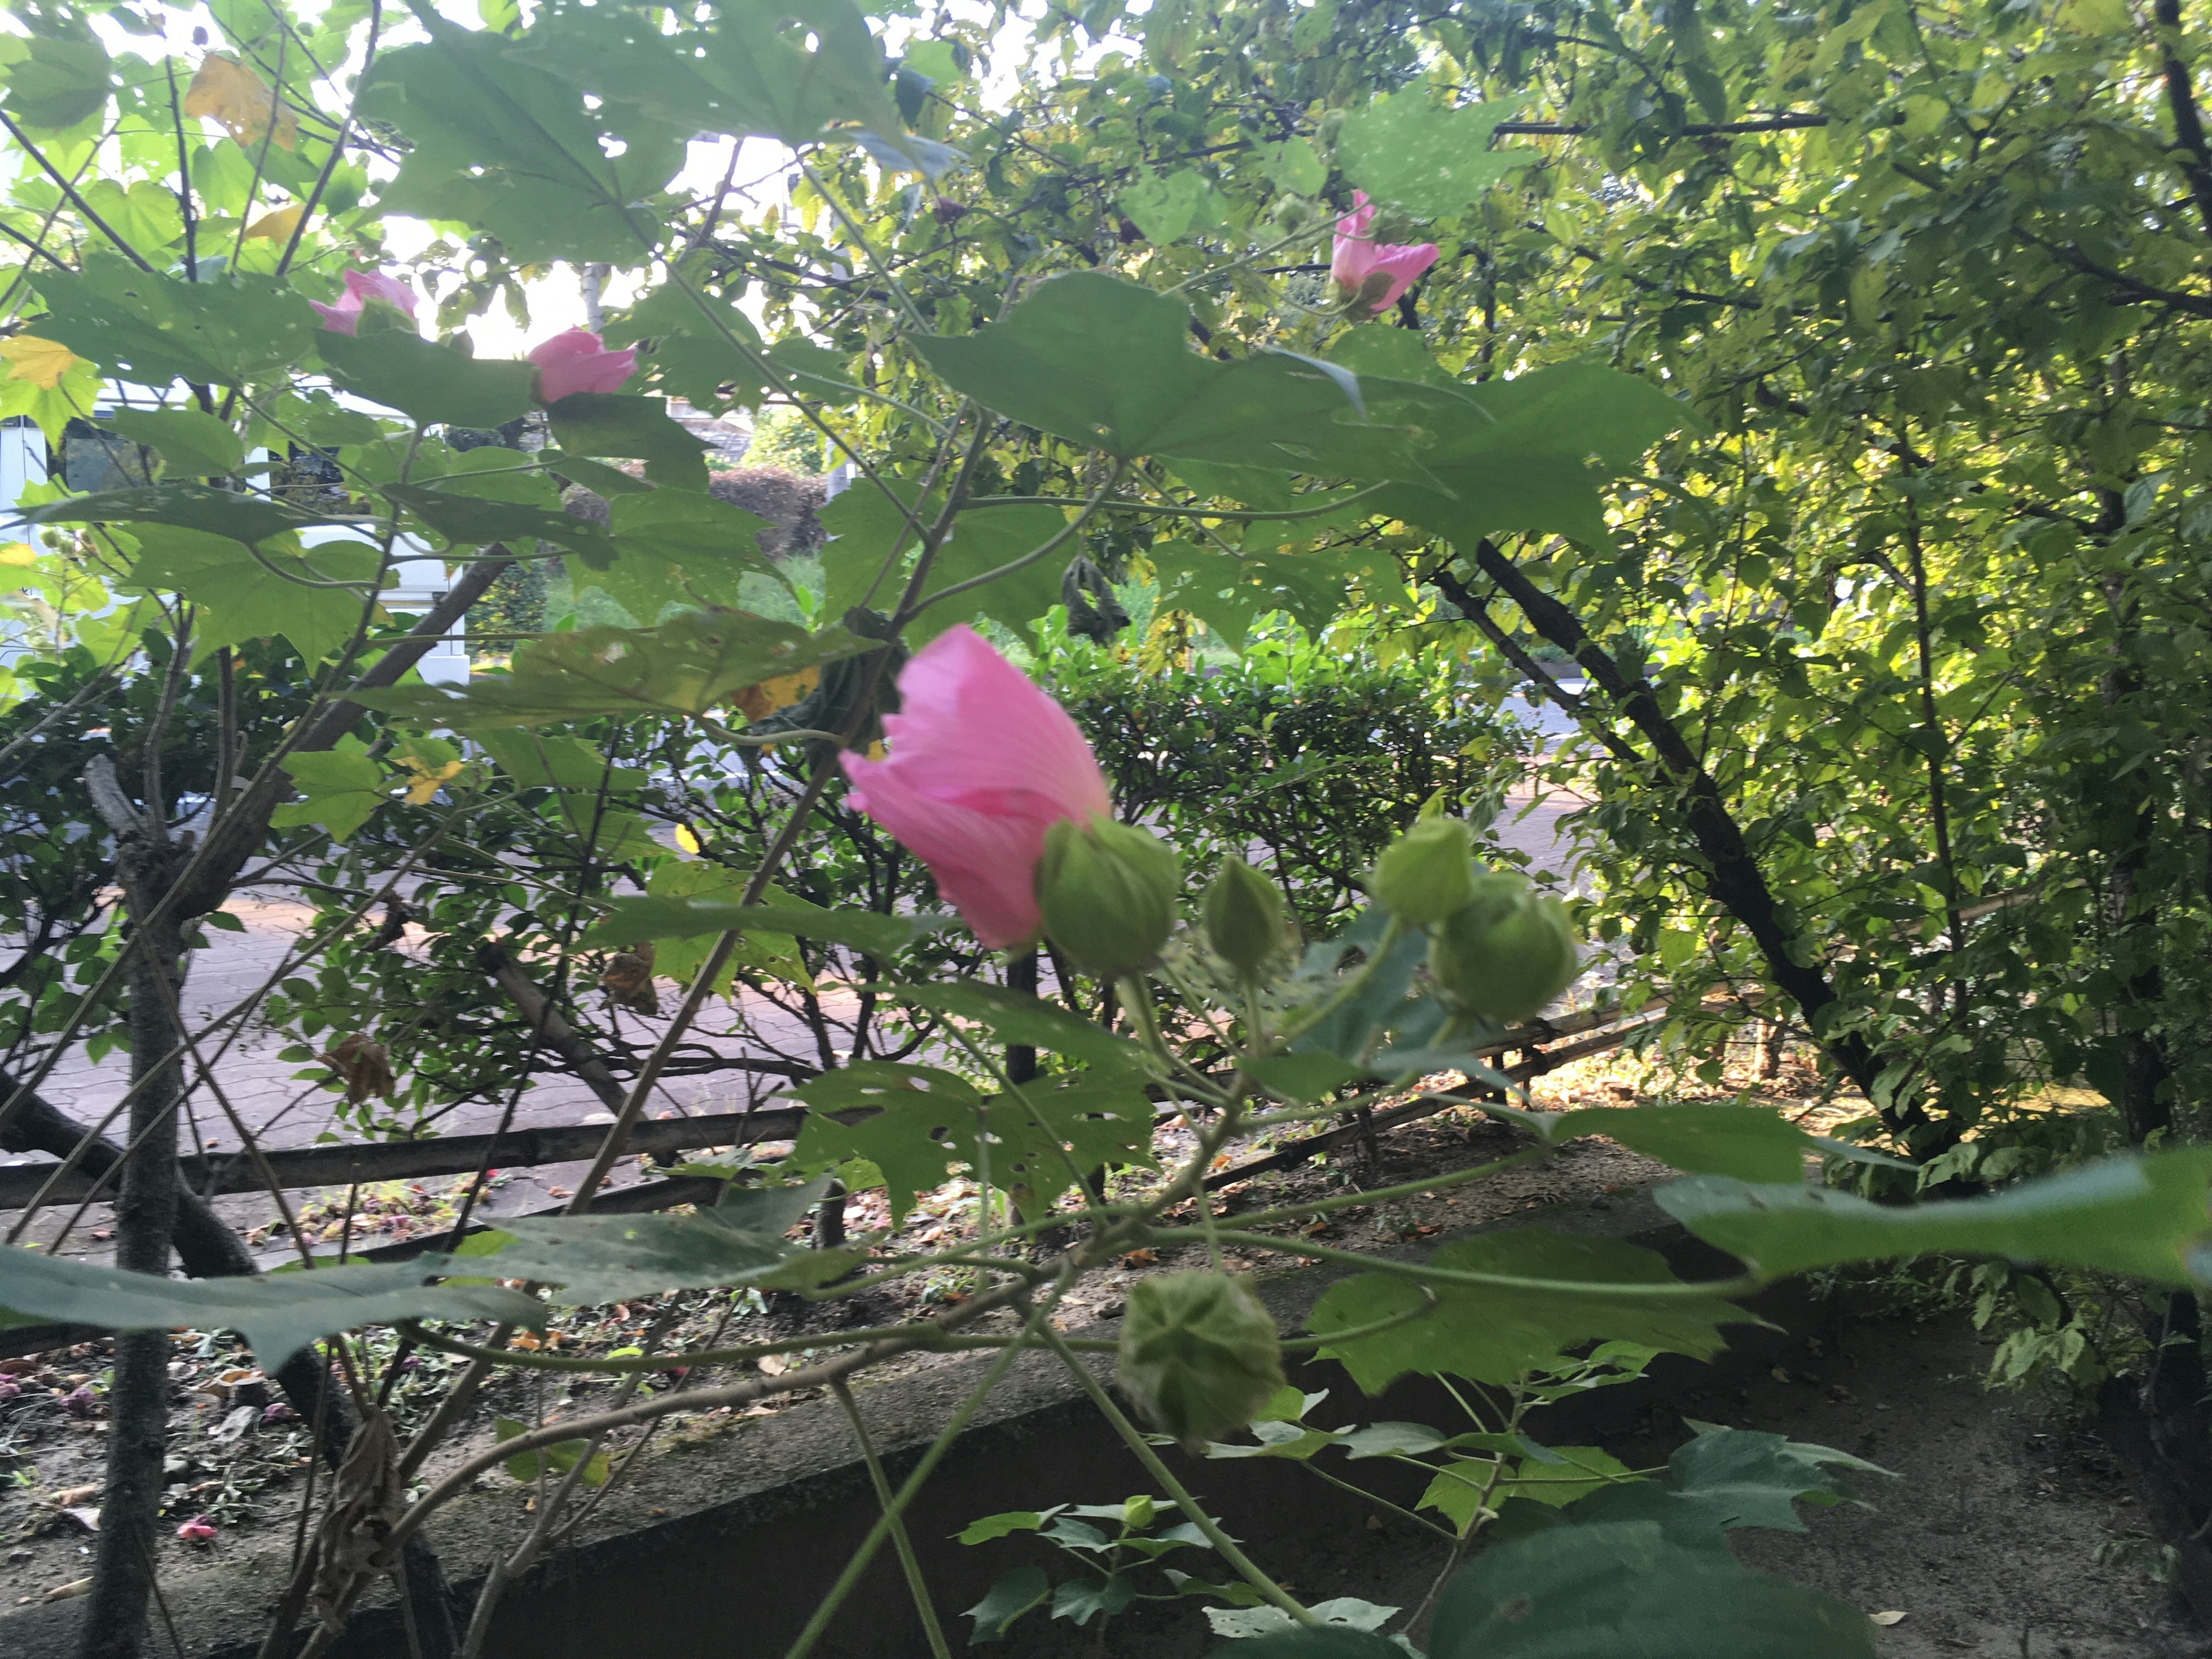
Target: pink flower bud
(579, 361)
(361, 287)
(198, 1530)
(982, 764)
(1371, 273)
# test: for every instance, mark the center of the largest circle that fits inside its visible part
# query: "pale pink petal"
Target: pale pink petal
(1404, 264)
(982, 764)
(577, 360)
(362, 286)
(340, 318)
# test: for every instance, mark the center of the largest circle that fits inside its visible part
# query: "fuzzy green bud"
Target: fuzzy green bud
(1507, 952)
(1426, 873)
(1245, 918)
(1199, 1356)
(1108, 893)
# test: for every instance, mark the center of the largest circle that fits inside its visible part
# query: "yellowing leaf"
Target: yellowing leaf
(757, 701)
(423, 780)
(685, 840)
(234, 95)
(278, 226)
(18, 553)
(42, 362)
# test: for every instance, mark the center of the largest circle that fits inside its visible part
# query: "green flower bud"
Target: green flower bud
(1107, 892)
(1198, 1355)
(1426, 873)
(1244, 919)
(1506, 953)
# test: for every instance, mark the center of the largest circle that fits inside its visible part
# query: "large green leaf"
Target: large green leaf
(426, 382)
(985, 541)
(695, 358)
(343, 791)
(688, 666)
(2142, 1215)
(1108, 364)
(1403, 148)
(502, 145)
(610, 1258)
(278, 1313)
(62, 80)
(1604, 1592)
(675, 546)
(1748, 1142)
(1725, 1479)
(630, 429)
(244, 597)
(153, 329)
(192, 443)
(799, 70)
(464, 519)
(198, 507)
(1495, 1333)
(1226, 591)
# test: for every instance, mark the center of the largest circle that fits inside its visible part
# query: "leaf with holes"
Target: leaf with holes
(427, 381)
(153, 329)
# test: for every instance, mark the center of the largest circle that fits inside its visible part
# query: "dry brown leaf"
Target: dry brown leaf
(1887, 1619)
(363, 1064)
(234, 95)
(63, 1592)
(69, 1495)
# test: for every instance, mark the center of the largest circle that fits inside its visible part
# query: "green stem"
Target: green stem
(908, 1563)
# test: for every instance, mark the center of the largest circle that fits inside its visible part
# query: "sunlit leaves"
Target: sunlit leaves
(1167, 208)
(343, 788)
(302, 597)
(1433, 160)
(509, 148)
(241, 100)
(153, 329)
(1747, 1142)
(42, 362)
(60, 80)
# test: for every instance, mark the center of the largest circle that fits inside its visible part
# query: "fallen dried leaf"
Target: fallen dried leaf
(1887, 1619)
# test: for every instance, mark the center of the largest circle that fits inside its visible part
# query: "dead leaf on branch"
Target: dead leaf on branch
(628, 980)
(759, 701)
(363, 1064)
(234, 95)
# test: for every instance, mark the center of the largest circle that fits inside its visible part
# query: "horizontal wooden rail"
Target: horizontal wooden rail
(409, 1160)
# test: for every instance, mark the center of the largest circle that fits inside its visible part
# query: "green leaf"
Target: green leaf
(2142, 1216)
(152, 329)
(245, 598)
(675, 546)
(1392, 1440)
(454, 510)
(1016, 1017)
(1728, 1477)
(598, 1259)
(982, 541)
(1598, 1592)
(193, 444)
(552, 1462)
(427, 382)
(1295, 166)
(239, 518)
(1006, 1601)
(1495, 1333)
(632, 921)
(62, 80)
(343, 791)
(688, 666)
(1003, 1526)
(631, 428)
(594, 476)
(278, 1314)
(696, 360)
(1748, 1142)
(1403, 148)
(1169, 208)
(1227, 591)
(1109, 365)
(863, 525)
(1530, 453)
(1080, 1599)
(1567, 1473)
(799, 71)
(504, 146)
